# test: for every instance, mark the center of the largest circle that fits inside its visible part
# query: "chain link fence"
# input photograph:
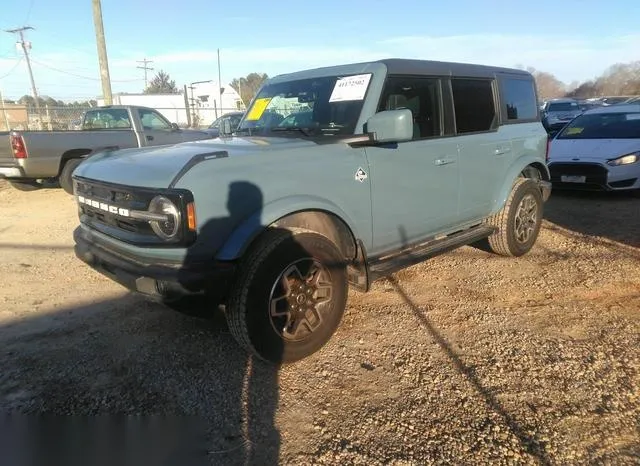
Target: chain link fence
(17, 117)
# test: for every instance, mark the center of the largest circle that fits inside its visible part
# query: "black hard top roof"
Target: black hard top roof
(409, 66)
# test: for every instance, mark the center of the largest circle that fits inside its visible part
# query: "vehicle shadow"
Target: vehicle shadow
(140, 360)
(530, 444)
(613, 216)
(131, 357)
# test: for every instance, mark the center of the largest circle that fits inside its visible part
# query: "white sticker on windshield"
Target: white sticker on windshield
(350, 88)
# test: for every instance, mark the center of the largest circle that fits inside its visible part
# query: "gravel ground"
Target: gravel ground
(469, 358)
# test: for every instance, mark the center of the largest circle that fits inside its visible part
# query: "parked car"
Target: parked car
(400, 161)
(234, 119)
(556, 113)
(30, 156)
(599, 150)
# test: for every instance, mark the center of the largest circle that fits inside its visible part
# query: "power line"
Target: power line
(12, 69)
(83, 77)
(145, 68)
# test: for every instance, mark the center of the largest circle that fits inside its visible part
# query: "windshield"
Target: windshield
(312, 107)
(563, 107)
(603, 126)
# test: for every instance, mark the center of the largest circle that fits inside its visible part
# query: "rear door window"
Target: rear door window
(519, 98)
(474, 105)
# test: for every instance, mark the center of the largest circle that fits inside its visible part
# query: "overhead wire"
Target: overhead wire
(83, 77)
(12, 69)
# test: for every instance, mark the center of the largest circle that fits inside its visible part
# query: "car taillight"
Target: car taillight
(17, 144)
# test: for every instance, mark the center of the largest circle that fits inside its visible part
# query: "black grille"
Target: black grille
(117, 197)
(596, 175)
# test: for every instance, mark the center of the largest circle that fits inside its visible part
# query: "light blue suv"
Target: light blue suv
(399, 161)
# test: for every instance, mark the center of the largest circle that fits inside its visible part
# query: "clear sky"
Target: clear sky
(574, 39)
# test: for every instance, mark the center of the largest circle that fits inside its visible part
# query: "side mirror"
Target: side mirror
(174, 126)
(391, 126)
(225, 127)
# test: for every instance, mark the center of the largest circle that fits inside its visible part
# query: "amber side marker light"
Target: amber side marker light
(191, 216)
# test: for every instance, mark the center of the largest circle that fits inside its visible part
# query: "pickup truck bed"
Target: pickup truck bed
(27, 157)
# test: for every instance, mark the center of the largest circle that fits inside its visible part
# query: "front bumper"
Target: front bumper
(160, 281)
(593, 176)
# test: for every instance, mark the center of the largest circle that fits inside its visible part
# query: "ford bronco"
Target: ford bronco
(382, 165)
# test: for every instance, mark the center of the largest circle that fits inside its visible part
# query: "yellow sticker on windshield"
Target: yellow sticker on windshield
(574, 130)
(258, 109)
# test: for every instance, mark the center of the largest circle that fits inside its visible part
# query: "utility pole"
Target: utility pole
(20, 31)
(145, 68)
(219, 87)
(102, 52)
(4, 112)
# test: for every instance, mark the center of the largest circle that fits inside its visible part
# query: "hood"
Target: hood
(156, 167)
(599, 150)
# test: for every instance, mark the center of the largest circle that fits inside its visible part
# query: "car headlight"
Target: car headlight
(168, 227)
(624, 160)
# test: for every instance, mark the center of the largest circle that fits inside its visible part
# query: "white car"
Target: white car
(598, 150)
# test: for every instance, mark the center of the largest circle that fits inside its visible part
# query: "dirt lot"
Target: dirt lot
(467, 359)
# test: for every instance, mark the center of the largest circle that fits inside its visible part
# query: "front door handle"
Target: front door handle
(149, 138)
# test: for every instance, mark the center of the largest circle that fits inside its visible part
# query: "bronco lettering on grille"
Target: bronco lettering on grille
(104, 206)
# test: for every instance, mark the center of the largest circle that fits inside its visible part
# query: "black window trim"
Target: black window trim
(441, 102)
(497, 119)
(504, 119)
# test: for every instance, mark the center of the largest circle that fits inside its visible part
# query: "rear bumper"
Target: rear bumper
(10, 168)
(545, 188)
(159, 281)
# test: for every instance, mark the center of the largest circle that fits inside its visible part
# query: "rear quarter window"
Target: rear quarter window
(519, 99)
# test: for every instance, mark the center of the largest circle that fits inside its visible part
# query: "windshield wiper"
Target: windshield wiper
(304, 131)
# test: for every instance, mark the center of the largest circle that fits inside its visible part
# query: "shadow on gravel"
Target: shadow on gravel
(132, 357)
(530, 444)
(615, 216)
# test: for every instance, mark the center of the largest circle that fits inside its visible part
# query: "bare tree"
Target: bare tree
(248, 86)
(547, 84)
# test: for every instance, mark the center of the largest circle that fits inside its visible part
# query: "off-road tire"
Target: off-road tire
(504, 241)
(65, 180)
(248, 307)
(25, 185)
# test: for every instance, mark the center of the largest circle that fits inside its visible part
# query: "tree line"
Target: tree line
(618, 79)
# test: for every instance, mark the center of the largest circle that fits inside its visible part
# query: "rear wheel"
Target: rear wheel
(290, 295)
(519, 220)
(25, 185)
(65, 180)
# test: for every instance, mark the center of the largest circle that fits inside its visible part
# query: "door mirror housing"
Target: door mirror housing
(390, 126)
(175, 127)
(225, 127)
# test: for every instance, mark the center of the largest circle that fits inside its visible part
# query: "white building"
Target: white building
(203, 101)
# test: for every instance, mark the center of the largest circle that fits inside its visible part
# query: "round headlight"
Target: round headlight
(169, 228)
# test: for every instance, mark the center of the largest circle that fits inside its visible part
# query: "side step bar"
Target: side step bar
(385, 266)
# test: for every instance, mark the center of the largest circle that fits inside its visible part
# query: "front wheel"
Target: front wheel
(519, 220)
(290, 295)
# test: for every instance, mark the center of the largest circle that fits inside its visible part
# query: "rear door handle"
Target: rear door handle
(149, 138)
(501, 150)
(445, 161)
